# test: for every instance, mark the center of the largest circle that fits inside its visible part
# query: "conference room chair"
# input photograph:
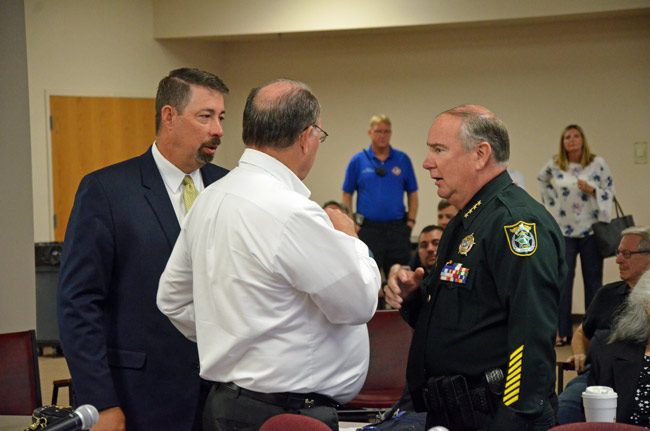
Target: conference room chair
(20, 386)
(58, 384)
(390, 340)
(563, 366)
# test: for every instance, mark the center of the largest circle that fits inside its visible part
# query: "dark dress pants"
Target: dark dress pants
(228, 410)
(390, 243)
(592, 275)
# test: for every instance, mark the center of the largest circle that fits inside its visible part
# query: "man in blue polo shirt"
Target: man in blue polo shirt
(381, 175)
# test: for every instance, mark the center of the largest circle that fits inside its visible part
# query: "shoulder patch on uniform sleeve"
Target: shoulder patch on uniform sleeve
(522, 238)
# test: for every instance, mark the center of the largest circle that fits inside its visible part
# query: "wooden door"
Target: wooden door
(89, 133)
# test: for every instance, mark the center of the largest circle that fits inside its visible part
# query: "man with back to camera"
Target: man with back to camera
(124, 356)
(633, 259)
(275, 290)
(486, 325)
(381, 174)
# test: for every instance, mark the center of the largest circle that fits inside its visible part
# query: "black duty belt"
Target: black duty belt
(286, 400)
(452, 402)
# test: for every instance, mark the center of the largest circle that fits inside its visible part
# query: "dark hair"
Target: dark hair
(431, 228)
(343, 207)
(444, 203)
(277, 122)
(479, 124)
(174, 89)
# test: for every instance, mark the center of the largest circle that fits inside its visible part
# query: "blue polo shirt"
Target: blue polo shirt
(380, 198)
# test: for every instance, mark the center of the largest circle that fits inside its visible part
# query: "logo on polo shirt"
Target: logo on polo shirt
(396, 171)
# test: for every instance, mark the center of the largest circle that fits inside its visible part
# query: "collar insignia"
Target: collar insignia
(522, 238)
(471, 210)
(466, 244)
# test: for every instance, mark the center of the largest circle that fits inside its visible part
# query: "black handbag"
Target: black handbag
(46, 416)
(608, 235)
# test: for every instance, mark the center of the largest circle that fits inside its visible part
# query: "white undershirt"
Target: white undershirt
(173, 179)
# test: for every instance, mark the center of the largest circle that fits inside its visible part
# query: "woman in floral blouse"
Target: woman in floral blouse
(578, 189)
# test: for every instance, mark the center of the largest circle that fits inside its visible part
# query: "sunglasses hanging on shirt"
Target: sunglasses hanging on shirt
(379, 170)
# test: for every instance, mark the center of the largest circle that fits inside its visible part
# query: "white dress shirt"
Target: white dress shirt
(275, 297)
(173, 179)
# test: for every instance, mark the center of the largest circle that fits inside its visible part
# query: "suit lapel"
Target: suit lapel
(158, 198)
(210, 175)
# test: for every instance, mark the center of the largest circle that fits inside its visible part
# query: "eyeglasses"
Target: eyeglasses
(628, 254)
(323, 133)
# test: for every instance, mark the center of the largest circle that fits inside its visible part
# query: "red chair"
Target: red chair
(20, 386)
(292, 422)
(597, 426)
(390, 340)
(563, 366)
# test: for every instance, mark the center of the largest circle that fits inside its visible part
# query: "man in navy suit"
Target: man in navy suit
(125, 357)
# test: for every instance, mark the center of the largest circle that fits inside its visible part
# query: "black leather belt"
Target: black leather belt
(286, 400)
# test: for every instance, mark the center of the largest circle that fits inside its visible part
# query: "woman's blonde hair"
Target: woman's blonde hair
(562, 159)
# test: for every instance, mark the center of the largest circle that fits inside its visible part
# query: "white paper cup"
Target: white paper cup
(600, 404)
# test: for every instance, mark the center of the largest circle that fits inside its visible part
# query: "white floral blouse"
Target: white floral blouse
(574, 210)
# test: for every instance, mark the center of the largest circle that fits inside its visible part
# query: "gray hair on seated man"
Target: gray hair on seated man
(633, 324)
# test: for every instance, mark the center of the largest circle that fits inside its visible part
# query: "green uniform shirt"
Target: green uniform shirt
(492, 300)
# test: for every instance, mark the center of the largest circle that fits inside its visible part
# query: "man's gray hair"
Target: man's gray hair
(277, 122)
(643, 232)
(633, 323)
(478, 124)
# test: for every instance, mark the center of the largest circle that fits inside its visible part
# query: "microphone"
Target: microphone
(83, 418)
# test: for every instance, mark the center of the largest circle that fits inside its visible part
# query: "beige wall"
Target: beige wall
(93, 48)
(537, 75)
(17, 287)
(234, 18)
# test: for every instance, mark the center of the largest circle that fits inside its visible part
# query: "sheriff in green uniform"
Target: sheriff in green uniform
(482, 355)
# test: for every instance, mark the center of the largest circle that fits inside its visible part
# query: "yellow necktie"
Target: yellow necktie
(189, 192)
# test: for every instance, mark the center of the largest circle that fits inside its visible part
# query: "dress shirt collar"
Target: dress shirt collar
(276, 168)
(171, 175)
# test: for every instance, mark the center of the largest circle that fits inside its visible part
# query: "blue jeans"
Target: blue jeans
(569, 402)
(592, 275)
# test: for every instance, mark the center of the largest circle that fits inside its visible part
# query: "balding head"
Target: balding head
(277, 113)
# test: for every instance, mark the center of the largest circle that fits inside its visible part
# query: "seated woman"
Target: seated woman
(624, 363)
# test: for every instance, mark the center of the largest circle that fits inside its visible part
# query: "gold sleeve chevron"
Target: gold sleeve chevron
(513, 381)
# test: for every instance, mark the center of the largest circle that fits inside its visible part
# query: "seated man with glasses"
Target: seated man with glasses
(633, 259)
